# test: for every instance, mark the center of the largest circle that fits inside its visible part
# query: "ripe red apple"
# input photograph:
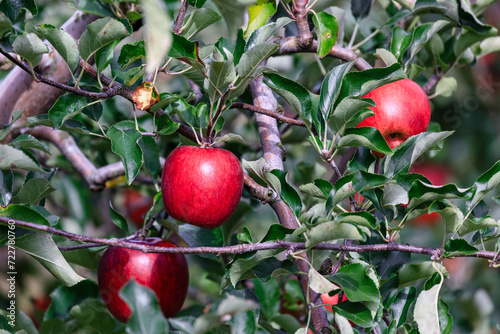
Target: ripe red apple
(438, 175)
(166, 274)
(201, 186)
(402, 109)
(332, 300)
(136, 205)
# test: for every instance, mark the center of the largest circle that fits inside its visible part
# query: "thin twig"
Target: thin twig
(242, 248)
(246, 106)
(108, 93)
(180, 17)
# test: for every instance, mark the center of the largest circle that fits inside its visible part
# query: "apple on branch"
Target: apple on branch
(402, 109)
(201, 186)
(166, 274)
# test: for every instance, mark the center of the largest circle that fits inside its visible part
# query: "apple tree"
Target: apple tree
(311, 166)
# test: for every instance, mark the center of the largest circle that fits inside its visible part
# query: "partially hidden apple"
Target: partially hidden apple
(332, 300)
(201, 186)
(136, 205)
(438, 175)
(402, 109)
(166, 274)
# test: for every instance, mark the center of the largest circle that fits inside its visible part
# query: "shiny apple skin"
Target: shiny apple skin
(331, 300)
(402, 109)
(201, 186)
(166, 274)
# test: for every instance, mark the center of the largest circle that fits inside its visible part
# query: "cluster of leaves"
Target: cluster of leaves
(382, 288)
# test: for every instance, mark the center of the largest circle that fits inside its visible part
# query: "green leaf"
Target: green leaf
(44, 250)
(259, 13)
(146, 312)
(5, 24)
(231, 137)
(118, 219)
(130, 53)
(165, 125)
(352, 184)
(263, 34)
(401, 41)
(333, 230)
(294, 93)
(30, 47)
(413, 272)
(319, 283)
(360, 8)
(24, 213)
(197, 3)
(484, 184)
(358, 84)
(421, 192)
(401, 305)
(94, 315)
(426, 310)
(124, 142)
(248, 67)
(287, 193)
(33, 192)
(445, 319)
(357, 284)
(407, 153)
(6, 185)
(221, 74)
(64, 44)
(409, 4)
(355, 312)
(25, 323)
(346, 111)
(233, 12)
(100, 33)
(12, 158)
(367, 137)
(256, 167)
(423, 33)
(328, 32)
(66, 107)
(157, 33)
(330, 90)
(6, 128)
(64, 298)
(182, 48)
(456, 247)
(151, 155)
(487, 46)
(446, 87)
(104, 56)
(199, 20)
(269, 296)
(320, 188)
(28, 141)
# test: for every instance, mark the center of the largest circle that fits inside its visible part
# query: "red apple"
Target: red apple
(166, 274)
(136, 205)
(438, 175)
(402, 109)
(332, 300)
(201, 186)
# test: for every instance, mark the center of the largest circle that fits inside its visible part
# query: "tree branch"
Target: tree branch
(304, 36)
(18, 91)
(110, 92)
(242, 248)
(180, 17)
(290, 45)
(273, 154)
(270, 113)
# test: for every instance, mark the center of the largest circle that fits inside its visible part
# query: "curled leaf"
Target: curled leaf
(145, 96)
